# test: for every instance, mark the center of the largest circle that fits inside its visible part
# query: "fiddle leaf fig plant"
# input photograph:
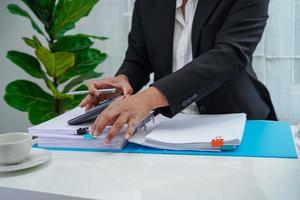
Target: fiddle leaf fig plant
(62, 62)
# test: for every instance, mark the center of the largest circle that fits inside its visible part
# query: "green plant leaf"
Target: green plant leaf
(63, 62)
(27, 62)
(70, 58)
(37, 42)
(34, 42)
(85, 61)
(79, 79)
(67, 13)
(43, 9)
(23, 95)
(29, 42)
(89, 58)
(16, 10)
(56, 63)
(28, 96)
(47, 58)
(41, 112)
(67, 104)
(72, 43)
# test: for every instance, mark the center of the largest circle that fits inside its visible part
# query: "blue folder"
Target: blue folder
(261, 139)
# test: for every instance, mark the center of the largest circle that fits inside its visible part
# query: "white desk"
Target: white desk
(143, 176)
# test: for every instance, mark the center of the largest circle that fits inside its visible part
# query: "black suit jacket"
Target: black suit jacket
(220, 79)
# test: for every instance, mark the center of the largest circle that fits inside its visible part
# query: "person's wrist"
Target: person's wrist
(153, 98)
(123, 77)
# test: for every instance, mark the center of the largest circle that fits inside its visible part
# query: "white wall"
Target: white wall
(277, 60)
(11, 31)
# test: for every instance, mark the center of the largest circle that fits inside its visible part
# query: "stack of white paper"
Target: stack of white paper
(193, 132)
(182, 132)
(57, 133)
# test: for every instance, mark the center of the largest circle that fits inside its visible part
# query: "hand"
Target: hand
(120, 82)
(130, 110)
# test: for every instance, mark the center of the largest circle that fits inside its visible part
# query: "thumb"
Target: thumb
(127, 90)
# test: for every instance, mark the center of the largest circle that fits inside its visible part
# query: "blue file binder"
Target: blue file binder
(261, 139)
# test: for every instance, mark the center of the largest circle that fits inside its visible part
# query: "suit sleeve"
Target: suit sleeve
(136, 65)
(234, 45)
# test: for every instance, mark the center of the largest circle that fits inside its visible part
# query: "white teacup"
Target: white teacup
(14, 148)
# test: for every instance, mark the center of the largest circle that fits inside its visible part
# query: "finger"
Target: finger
(102, 84)
(130, 129)
(91, 97)
(87, 101)
(102, 121)
(88, 106)
(93, 88)
(115, 129)
(119, 87)
(99, 125)
(103, 97)
(112, 121)
(127, 90)
(122, 87)
(94, 97)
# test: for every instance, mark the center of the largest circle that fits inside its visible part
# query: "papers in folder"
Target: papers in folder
(57, 133)
(194, 132)
(182, 132)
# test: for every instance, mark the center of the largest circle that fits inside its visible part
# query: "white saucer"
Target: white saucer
(37, 157)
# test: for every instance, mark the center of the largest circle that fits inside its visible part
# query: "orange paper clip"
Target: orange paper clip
(217, 142)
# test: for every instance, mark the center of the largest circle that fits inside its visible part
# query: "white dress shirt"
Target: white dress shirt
(182, 43)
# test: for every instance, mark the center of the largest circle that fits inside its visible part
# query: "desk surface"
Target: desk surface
(143, 176)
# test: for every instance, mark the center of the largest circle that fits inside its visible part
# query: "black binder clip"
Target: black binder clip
(82, 131)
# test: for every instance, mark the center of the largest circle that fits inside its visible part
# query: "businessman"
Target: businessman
(200, 52)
